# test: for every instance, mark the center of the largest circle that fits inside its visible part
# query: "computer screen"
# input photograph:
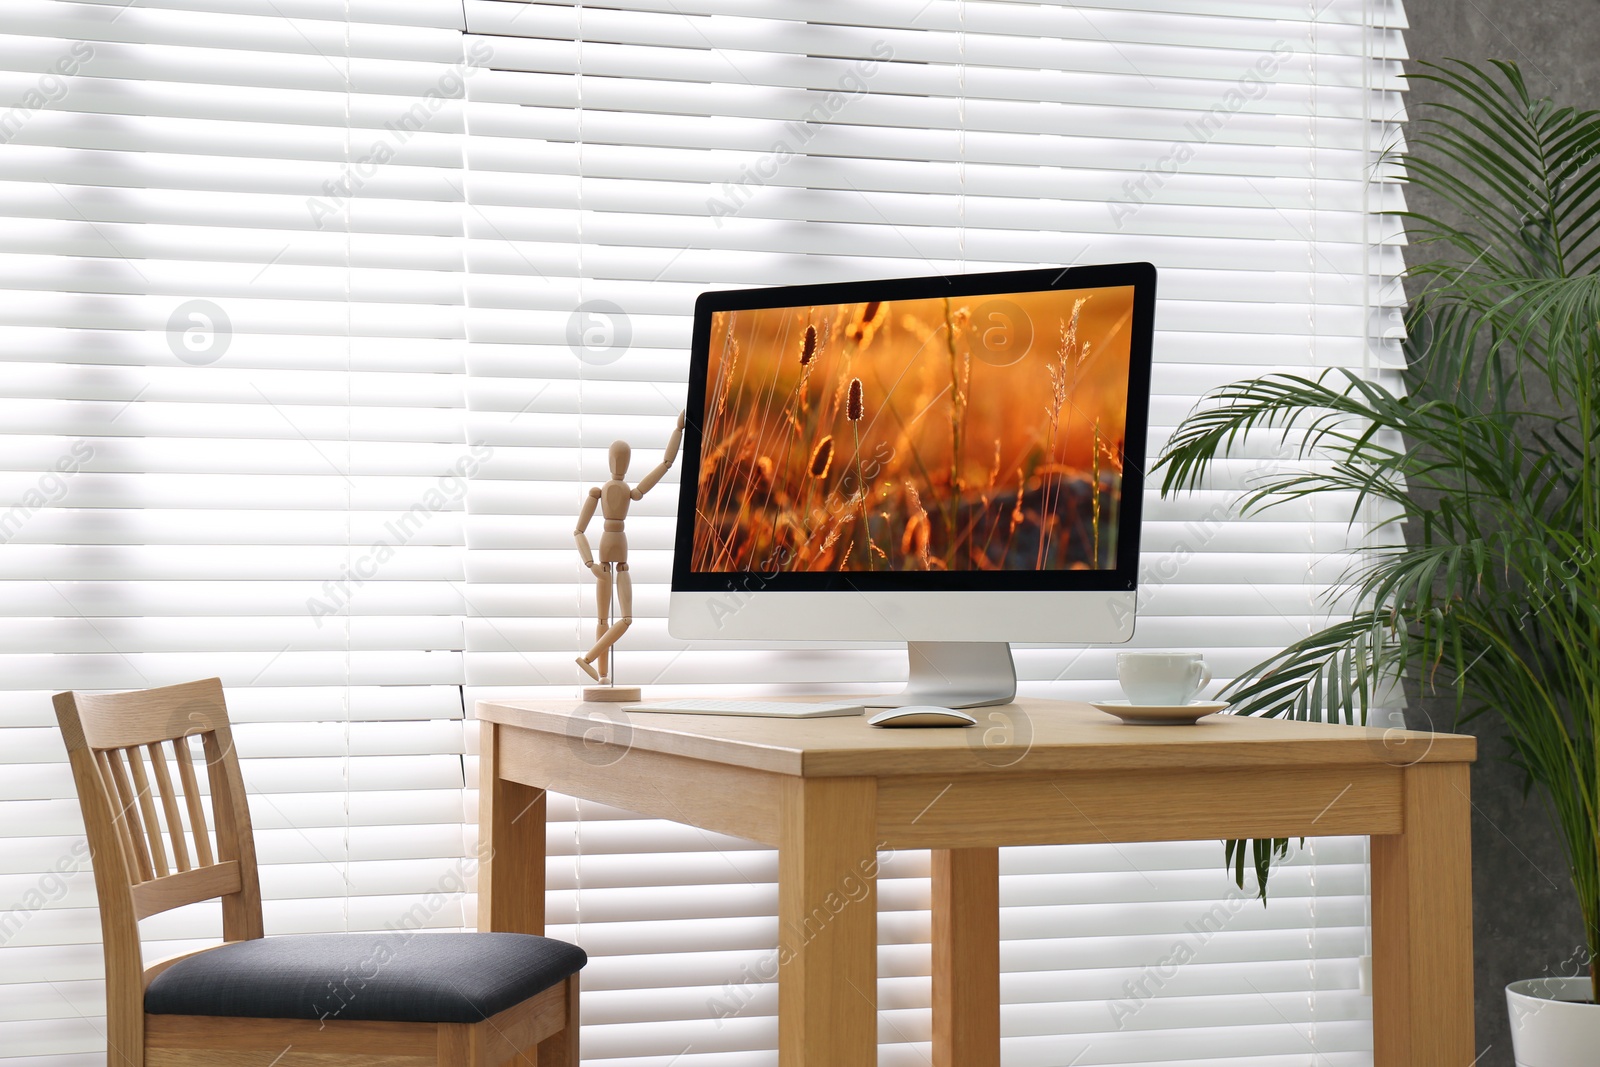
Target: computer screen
(942, 436)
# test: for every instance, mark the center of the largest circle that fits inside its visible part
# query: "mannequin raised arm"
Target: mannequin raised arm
(648, 482)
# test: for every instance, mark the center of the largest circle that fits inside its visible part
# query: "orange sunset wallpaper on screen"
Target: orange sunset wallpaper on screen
(980, 433)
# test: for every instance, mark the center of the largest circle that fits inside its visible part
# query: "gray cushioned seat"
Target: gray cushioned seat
(396, 977)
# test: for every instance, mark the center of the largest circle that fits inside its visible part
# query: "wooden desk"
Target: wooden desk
(830, 794)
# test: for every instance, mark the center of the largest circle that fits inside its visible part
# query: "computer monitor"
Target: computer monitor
(952, 462)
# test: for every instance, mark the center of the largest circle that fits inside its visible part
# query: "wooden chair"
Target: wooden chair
(397, 999)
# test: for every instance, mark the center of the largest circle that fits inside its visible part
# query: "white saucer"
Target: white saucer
(1159, 714)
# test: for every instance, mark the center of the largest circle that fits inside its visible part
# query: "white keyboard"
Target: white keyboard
(774, 709)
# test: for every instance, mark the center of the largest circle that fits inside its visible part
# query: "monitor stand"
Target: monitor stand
(955, 674)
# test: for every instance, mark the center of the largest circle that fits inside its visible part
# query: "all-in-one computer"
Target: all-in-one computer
(953, 462)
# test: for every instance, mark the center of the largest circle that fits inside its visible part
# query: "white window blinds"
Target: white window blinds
(231, 443)
(622, 158)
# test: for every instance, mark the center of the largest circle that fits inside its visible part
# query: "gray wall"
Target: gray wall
(1526, 919)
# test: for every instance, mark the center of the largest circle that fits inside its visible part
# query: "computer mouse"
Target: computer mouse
(922, 715)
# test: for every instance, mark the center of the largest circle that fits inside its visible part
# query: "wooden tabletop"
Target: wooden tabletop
(1028, 735)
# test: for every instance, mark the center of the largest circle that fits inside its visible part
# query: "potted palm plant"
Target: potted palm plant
(1484, 579)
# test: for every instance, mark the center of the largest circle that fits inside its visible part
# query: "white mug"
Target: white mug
(1162, 678)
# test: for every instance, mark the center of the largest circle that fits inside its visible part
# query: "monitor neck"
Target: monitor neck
(955, 674)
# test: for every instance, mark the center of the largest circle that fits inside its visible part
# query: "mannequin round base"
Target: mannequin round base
(611, 694)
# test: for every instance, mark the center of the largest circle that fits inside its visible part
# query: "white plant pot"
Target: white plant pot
(1547, 1029)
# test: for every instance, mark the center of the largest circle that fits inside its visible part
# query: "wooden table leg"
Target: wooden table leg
(966, 957)
(828, 924)
(1422, 925)
(510, 847)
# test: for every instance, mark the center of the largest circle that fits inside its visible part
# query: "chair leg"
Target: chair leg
(457, 1045)
(561, 1049)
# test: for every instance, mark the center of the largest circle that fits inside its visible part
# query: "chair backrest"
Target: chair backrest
(133, 759)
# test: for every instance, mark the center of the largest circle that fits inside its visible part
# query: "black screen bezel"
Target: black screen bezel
(1124, 577)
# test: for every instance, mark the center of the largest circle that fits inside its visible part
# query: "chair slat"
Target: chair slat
(118, 776)
(169, 805)
(192, 797)
(103, 763)
(147, 810)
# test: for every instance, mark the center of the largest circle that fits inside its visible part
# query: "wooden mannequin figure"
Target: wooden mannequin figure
(611, 570)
